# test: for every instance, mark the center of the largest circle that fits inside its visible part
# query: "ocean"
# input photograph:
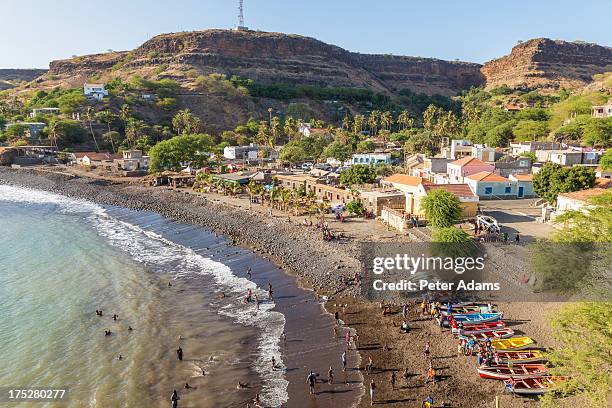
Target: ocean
(62, 259)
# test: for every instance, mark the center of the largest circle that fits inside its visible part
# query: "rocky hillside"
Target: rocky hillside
(549, 65)
(9, 78)
(276, 58)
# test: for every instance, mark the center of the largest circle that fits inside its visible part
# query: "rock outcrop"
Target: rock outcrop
(281, 58)
(547, 64)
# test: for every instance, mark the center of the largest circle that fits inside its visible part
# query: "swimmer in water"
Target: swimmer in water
(115, 317)
(130, 328)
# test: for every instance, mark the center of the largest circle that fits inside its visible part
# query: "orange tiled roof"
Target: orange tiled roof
(459, 190)
(467, 160)
(406, 180)
(487, 176)
(584, 195)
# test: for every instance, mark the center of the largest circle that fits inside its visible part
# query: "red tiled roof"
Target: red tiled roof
(459, 190)
(406, 180)
(584, 195)
(467, 160)
(98, 156)
(487, 176)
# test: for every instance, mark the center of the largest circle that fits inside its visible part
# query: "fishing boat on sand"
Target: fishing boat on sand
(521, 356)
(512, 344)
(489, 335)
(533, 386)
(475, 318)
(517, 371)
(460, 329)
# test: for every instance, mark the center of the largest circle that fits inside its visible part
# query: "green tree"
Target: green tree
(113, 138)
(422, 142)
(553, 179)
(338, 151)
(598, 132)
(292, 153)
(90, 117)
(185, 122)
(530, 155)
(442, 208)
(606, 160)
(527, 130)
(314, 146)
(358, 174)
(365, 146)
(355, 207)
(189, 149)
(450, 235)
(583, 331)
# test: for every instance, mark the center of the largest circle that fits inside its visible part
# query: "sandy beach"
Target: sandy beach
(326, 267)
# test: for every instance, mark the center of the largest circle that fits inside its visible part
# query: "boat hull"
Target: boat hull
(518, 371)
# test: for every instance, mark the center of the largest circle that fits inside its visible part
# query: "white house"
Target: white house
(577, 200)
(240, 152)
(371, 158)
(44, 111)
(602, 111)
(95, 91)
(132, 160)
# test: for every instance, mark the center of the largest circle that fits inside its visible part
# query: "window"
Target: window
(488, 190)
(508, 190)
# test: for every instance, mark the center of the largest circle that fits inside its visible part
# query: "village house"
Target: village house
(602, 111)
(530, 147)
(244, 177)
(371, 158)
(306, 130)
(241, 152)
(44, 111)
(562, 157)
(467, 198)
(524, 185)
(513, 165)
(459, 149)
(485, 154)
(92, 159)
(376, 200)
(414, 160)
(461, 168)
(577, 200)
(404, 183)
(489, 185)
(132, 160)
(95, 92)
(431, 168)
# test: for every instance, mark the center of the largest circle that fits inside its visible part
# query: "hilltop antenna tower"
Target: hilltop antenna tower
(241, 26)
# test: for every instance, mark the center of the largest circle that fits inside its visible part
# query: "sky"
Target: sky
(35, 32)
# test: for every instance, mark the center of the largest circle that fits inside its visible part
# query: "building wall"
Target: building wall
(527, 189)
(394, 219)
(376, 203)
(493, 189)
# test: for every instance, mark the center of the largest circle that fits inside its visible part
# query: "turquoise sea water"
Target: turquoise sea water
(61, 259)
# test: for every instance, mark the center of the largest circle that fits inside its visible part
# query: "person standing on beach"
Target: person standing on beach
(270, 291)
(517, 238)
(393, 379)
(179, 353)
(311, 380)
(337, 317)
(330, 376)
(175, 399)
(426, 350)
(372, 389)
(344, 360)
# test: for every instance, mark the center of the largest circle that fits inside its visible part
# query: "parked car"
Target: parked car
(307, 166)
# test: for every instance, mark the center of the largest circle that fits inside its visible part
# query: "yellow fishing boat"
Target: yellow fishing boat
(521, 356)
(511, 344)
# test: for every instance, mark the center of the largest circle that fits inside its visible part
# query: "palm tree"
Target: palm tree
(386, 120)
(252, 190)
(89, 115)
(346, 122)
(107, 117)
(405, 121)
(358, 124)
(185, 122)
(134, 130)
(54, 132)
(125, 114)
(373, 122)
(285, 198)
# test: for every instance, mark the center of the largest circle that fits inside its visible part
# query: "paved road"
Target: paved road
(517, 216)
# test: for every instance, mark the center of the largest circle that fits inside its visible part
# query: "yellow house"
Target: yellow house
(467, 198)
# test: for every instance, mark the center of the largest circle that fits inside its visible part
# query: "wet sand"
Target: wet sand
(310, 342)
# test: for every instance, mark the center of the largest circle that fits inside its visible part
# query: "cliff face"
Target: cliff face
(10, 77)
(281, 58)
(548, 64)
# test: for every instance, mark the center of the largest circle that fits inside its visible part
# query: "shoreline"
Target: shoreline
(261, 238)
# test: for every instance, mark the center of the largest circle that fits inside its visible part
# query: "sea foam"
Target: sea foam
(153, 250)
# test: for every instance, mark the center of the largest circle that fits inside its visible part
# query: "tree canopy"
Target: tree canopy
(171, 154)
(553, 179)
(358, 174)
(442, 208)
